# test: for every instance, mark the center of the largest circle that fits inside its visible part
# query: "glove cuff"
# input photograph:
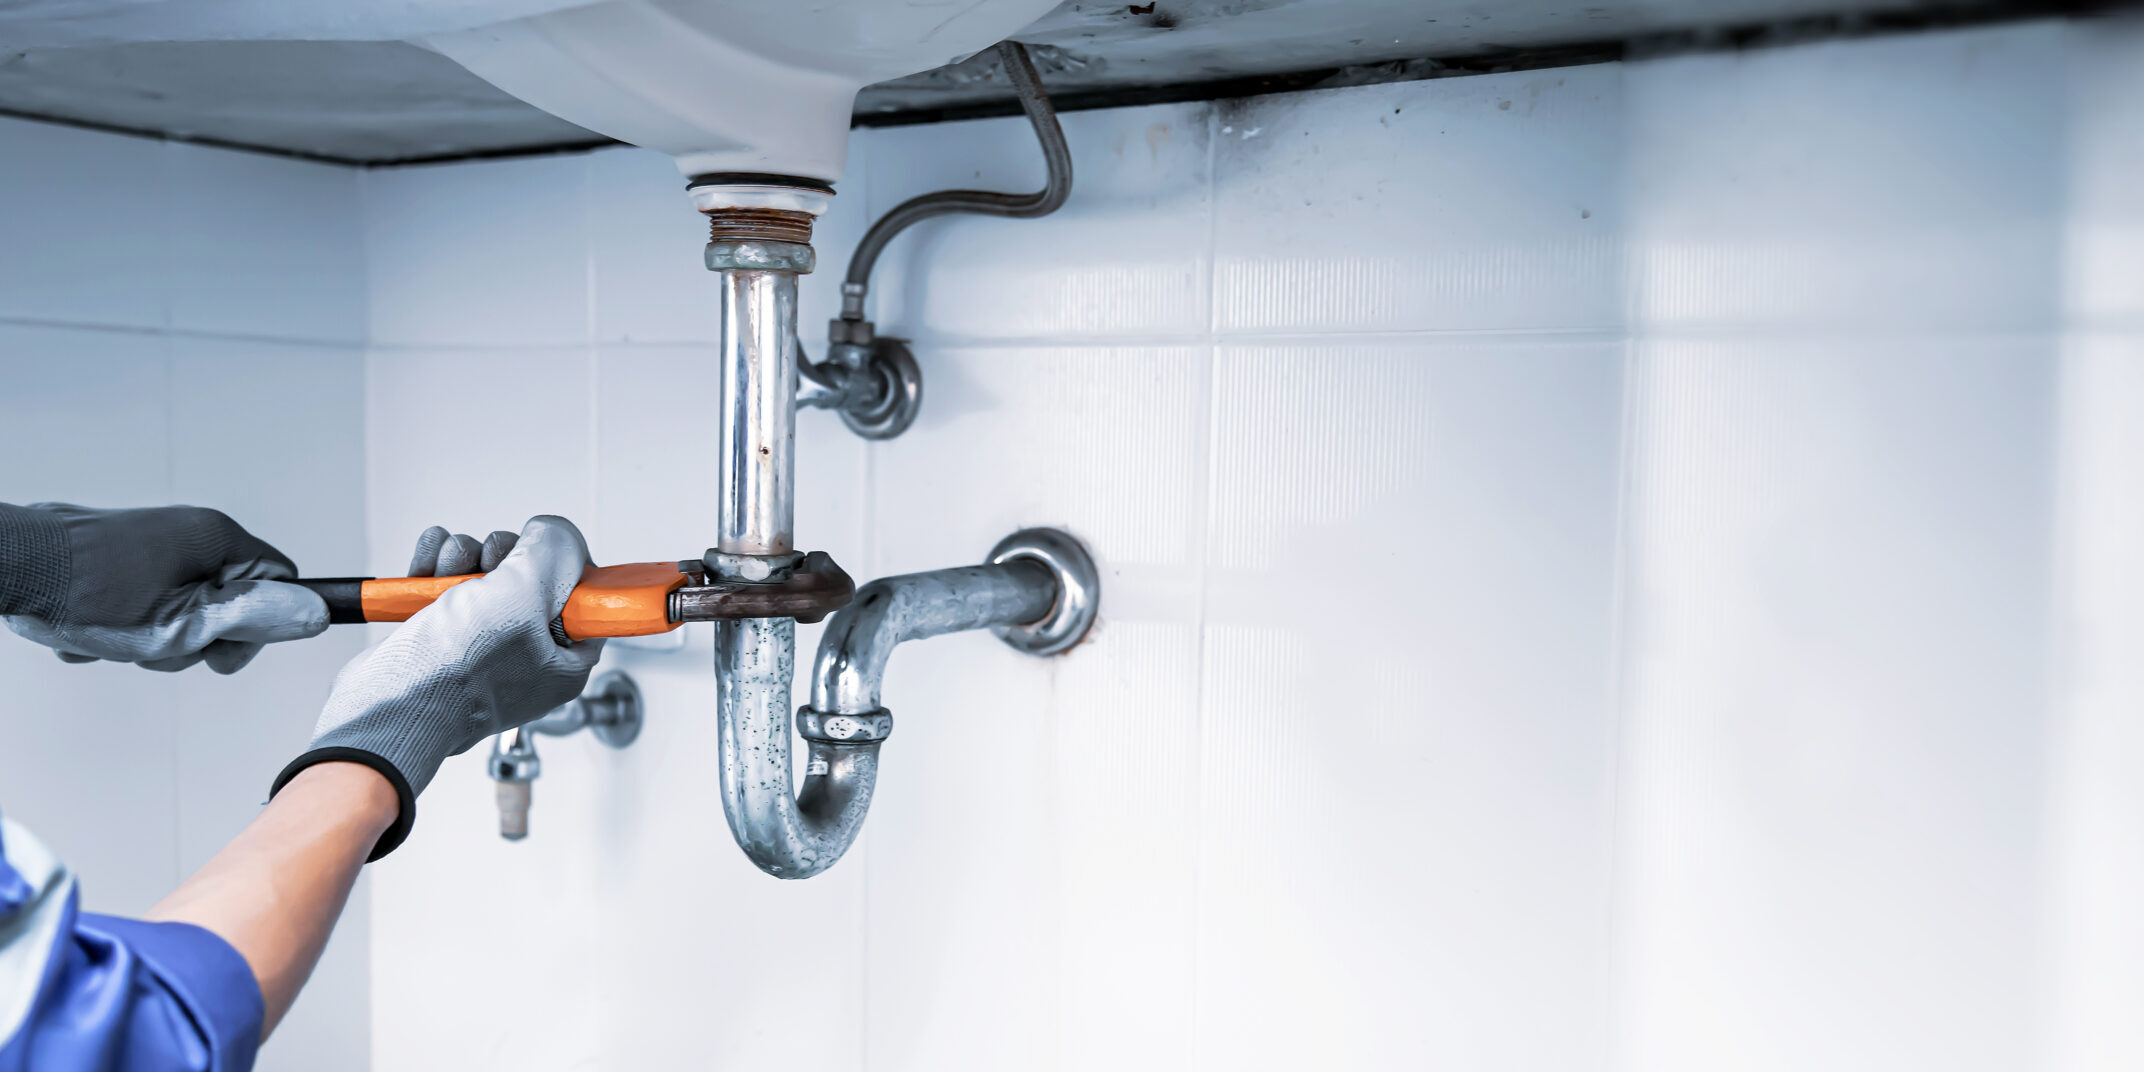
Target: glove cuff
(34, 563)
(405, 818)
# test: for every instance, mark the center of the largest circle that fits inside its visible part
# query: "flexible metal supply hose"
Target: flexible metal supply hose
(1052, 196)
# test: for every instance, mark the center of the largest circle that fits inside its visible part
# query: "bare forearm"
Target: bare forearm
(276, 890)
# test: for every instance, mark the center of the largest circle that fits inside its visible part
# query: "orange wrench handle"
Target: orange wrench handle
(610, 601)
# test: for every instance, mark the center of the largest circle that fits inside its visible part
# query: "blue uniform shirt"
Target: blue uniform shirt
(80, 991)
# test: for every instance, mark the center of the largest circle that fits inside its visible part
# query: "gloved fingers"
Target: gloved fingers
(255, 612)
(550, 557)
(248, 612)
(444, 554)
(247, 557)
(172, 665)
(459, 555)
(88, 645)
(426, 557)
(496, 547)
(580, 657)
(229, 656)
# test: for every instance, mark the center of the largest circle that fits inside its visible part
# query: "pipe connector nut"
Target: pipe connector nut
(858, 333)
(844, 729)
(761, 257)
(514, 766)
(752, 569)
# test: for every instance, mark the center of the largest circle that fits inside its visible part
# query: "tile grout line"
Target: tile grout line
(867, 465)
(164, 241)
(1629, 419)
(1205, 553)
(171, 729)
(48, 324)
(592, 485)
(361, 196)
(1515, 335)
(168, 362)
(1618, 685)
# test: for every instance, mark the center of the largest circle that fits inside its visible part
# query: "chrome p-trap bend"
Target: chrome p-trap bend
(1038, 591)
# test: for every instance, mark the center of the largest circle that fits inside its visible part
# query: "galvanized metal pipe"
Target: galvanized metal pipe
(758, 412)
(1027, 82)
(892, 610)
(787, 835)
(844, 725)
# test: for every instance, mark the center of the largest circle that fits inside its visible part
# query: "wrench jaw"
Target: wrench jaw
(808, 589)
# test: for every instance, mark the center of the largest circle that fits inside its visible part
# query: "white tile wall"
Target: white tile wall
(2093, 814)
(1481, 203)
(1430, 716)
(645, 245)
(2094, 810)
(1127, 256)
(1837, 671)
(2104, 239)
(261, 246)
(134, 371)
(1581, 554)
(92, 250)
(1893, 184)
(1623, 566)
(520, 226)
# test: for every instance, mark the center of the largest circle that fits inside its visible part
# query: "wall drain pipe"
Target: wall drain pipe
(875, 382)
(1038, 591)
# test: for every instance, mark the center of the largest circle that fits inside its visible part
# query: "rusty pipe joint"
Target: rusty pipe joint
(759, 223)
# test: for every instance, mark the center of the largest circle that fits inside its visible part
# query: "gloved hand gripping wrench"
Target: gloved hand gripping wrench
(638, 599)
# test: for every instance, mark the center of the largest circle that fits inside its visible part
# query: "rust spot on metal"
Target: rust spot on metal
(758, 225)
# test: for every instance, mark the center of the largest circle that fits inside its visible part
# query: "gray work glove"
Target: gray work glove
(443, 554)
(479, 661)
(165, 587)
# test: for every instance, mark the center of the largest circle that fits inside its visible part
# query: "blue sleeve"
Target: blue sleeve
(80, 991)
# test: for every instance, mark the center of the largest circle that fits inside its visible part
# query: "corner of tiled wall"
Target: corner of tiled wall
(1554, 524)
(180, 324)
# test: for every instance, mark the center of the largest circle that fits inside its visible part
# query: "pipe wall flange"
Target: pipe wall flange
(1079, 589)
(900, 397)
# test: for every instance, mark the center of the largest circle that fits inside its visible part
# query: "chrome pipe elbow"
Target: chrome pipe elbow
(852, 658)
(1038, 591)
